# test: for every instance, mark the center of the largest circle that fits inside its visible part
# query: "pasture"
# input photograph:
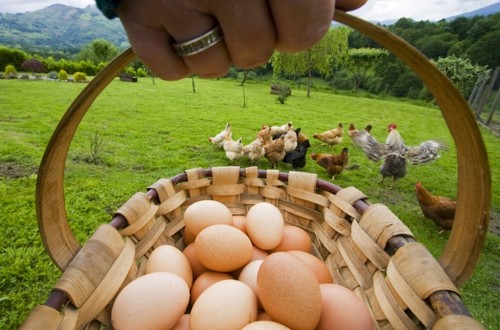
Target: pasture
(151, 131)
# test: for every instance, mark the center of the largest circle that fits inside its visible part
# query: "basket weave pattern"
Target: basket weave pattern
(349, 235)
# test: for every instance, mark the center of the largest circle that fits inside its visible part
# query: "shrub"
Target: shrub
(141, 73)
(10, 70)
(130, 71)
(33, 65)
(79, 76)
(63, 75)
(52, 75)
(233, 73)
(12, 56)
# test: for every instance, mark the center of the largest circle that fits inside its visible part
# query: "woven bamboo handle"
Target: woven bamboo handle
(462, 251)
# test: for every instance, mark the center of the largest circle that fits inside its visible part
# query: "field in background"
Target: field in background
(150, 131)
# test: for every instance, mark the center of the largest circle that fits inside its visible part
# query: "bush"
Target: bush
(141, 73)
(10, 70)
(12, 56)
(233, 73)
(130, 71)
(63, 75)
(52, 75)
(79, 76)
(33, 65)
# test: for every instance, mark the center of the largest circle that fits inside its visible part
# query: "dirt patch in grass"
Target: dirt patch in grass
(13, 170)
(495, 222)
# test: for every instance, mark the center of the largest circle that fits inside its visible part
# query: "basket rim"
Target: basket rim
(462, 251)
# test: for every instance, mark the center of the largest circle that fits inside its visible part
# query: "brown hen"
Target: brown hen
(440, 209)
(334, 164)
(275, 151)
(331, 137)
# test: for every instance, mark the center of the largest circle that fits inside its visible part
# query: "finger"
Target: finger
(249, 33)
(151, 43)
(153, 25)
(300, 23)
(186, 20)
(349, 4)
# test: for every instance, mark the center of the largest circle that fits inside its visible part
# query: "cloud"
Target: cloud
(434, 10)
(16, 6)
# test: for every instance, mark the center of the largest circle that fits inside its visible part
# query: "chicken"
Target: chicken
(334, 164)
(264, 134)
(275, 151)
(396, 154)
(219, 139)
(291, 139)
(331, 137)
(233, 149)
(297, 157)
(278, 130)
(301, 137)
(440, 209)
(359, 137)
(254, 150)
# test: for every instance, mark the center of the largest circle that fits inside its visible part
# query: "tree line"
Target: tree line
(465, 49)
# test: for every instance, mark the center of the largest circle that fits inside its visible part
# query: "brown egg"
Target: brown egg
(257, 254)
(240, 222)
(168, 258)
(152, 301)
(265, 325)
(265, 225)
(263, 316)
(341, 309)
(227, 304)
(222, 248)
(318, 267)
(183, 323)
(204, 281)
(203, 214)
(195, 264)
(294, 238)
(248, 275)
(289, 291)
(188, 236)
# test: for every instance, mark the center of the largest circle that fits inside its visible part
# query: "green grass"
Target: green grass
(158, 130)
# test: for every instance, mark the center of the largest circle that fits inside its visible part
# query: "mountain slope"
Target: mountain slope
(59, 27)
(485, 11)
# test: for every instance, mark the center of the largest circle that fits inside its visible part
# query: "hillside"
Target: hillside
(65, 28)
(485, 11)
(59, 27)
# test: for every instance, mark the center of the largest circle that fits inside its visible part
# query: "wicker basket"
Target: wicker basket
(366, 247)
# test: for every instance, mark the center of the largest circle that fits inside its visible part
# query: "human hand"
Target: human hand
(252, 30)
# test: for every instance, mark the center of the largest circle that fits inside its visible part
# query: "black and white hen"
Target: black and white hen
(395, 153)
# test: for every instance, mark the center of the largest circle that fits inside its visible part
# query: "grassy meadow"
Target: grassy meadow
(152, 131)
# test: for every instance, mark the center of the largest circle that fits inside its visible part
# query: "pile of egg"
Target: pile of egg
(238, 272)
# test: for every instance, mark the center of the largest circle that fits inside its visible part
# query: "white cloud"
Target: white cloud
(373, 10)
(434, 10)
(16, 6)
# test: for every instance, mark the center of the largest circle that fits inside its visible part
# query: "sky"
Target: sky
(378, 10)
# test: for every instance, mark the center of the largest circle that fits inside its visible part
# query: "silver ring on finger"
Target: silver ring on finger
(200, 43)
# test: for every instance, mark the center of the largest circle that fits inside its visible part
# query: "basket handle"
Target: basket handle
(463, 248)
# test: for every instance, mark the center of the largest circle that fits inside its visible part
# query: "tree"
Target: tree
(99, 50)
(33, 65)
(13, 57)
(461, 72)
(482, 51)
(436, 46)
(361, 60)
(329, 52)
